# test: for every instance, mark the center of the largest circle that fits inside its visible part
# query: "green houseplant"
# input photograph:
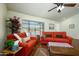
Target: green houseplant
(14, 24)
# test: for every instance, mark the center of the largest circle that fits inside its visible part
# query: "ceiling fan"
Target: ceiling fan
(60, 6)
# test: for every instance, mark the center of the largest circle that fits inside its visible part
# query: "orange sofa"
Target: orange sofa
(52, 37)
(27, 46)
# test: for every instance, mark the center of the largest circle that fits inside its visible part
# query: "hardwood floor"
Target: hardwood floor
(75, 43)
(43, 51)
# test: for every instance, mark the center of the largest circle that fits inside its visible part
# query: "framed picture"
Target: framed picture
(51, 26)
(71, 26)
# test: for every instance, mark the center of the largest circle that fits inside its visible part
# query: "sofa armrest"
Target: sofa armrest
(69, 39)
(32, 37)
(21, 44)
(42, 38)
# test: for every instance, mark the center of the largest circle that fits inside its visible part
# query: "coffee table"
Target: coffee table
(63, 51)
(59, 44)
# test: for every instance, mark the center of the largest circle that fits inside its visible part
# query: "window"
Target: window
(34, 28)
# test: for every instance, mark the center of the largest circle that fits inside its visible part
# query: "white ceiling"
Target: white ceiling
(41, 10)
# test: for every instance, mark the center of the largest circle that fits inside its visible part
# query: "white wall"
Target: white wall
(29, 17)
(64, 26)
(3, 11)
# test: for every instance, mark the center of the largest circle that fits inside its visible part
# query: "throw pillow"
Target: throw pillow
(48, 35)
(18, 37)
(10, 43)
(25, 39)
(59, 36)
(16, 45)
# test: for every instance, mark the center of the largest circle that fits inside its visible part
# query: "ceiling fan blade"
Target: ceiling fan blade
(52, 9)
(58, 4)
(70, 5)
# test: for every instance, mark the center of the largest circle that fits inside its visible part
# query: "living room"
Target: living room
(36, 22)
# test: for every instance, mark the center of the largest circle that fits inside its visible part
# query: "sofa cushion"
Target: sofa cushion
(22, 35)
(10, 37)
(47, 39)
(44, 42)
(31, 43)
(60, 40)
(48, 35)
(21, 44)
(59, 33)
(32, 37)
(59, 36)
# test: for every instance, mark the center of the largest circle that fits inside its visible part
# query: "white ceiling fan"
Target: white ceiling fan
(60, 6)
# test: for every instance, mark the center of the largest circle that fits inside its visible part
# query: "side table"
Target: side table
(7, 51)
